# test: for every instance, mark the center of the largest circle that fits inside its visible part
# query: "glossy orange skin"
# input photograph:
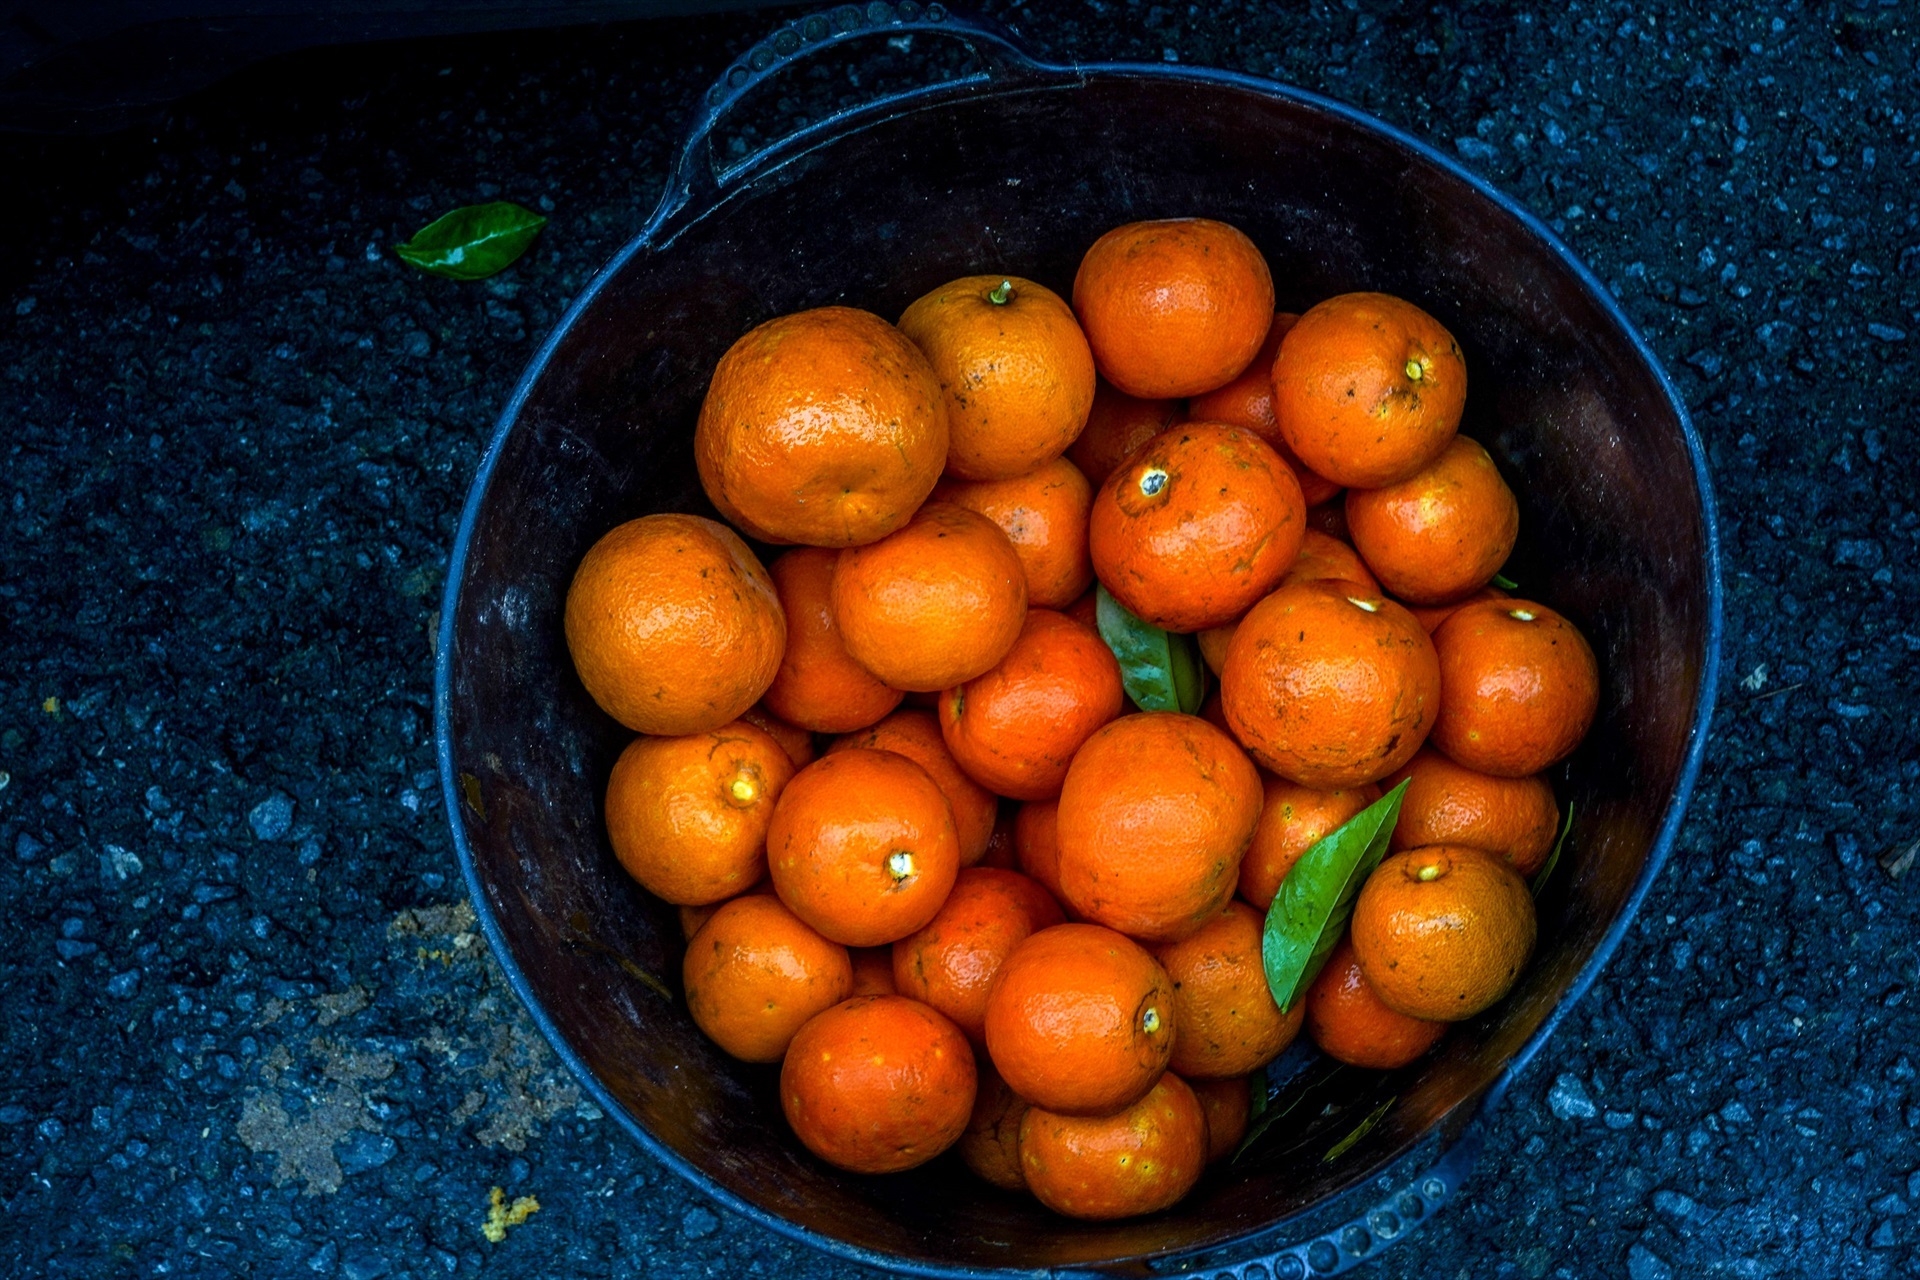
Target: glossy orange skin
(1154, 817)
(878, 1084)
(692, 918)
(1247, 402)
(1117, 425)
(824, 427)
(1443, 532)
(1520, 687)
(938, 602)
(1228, 1105)
(1442, 932)
(1293, 820)
(688, 816)
(1198, 524)
(991, 1145)
(1044, 514)
(872, 971)
(1430, 616)
(1229, 1024)
(1321, 559)
(915, 734)
(819, 686)
(1141, 1160)
(862, 847)
(1036, 843)
(673, 625)
(951, 961)
(1173, 307)
(1330, 686)
(1016, 728)
(1516, 818)
(1017, 374)
(1344, 400)
(1349, 1024)
(1080, 1020)
(755, 973)
(797, 742)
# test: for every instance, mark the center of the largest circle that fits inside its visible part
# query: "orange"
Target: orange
(693, 918)
(872, 971)
(1368, 389)
(1430, 616)
(1173, 307)
(1247, 402)
(755, 973)
(797, 742)
(862, 847)
(1515, 818)
(1016, 728)
(1442, 932)
(1229, 1024)
(826, 427)
(1156, 812)
(1228, 1105)
(1321, 558)
(1036, 843)
(1014, 367)
(1044, 514)
(1519, 687)
(938, 602)
(1085, 611)
(819, 686)
(991, 1145)
(1443, 532)
(952, 960)
(1293, 819)
(1330, 686)
(1140, 1160)
(915, 734)
(1197, 525)
(673, 625)
(1116, 426)
(878, 1084)
(688, 816)
(1349, 1024)
(1080, 1020)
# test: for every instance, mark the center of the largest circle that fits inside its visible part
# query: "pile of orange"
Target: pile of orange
(928, 858)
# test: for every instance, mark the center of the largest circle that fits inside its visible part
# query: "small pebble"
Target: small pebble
(121, 986)
(699, 1222)
(271, 818)
(1568, 1099)
(1644, 1264)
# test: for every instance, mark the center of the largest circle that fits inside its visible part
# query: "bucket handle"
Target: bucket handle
(1004, 59)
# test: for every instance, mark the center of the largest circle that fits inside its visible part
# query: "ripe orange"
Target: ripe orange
(819, 686)
(1442, 932)
(872, 971)
(991, 1145)
(878, 1084)
(1349, 1024)
(1016, 728)
(1247, 402)
(673, 625)
(825, 427)
(693, 918)
(1330, 686)
(1080, 1020)
(938, 602)
(951, 961)
(1156, 812)
(1228, 1105)
(915, 734)
(1519, 687)
(1197, 525)
(755, 973)
(1140, 1160)
(1293, 819)
(1430, 616)
(1368, 389)
(1173, 307)
(1229, 1024)
(1116, 426)
(1036, 844)
(1044, 514)
(1443, 532)
(862, 847)
(688, 816)
(795, 741)
(1015, 369)
(1321, 559)
(1515, 818)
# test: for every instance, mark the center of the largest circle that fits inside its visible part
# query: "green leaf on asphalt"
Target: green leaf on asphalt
(474, 242)
(1553, 858)
(1316, 899)
(1161, 670)
(1360, 1131)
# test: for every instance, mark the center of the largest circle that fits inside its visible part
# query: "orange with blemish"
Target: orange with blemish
(951, 961)
(755, 973)
(1139, 1160)
(915, 734)
(1294, 819)
(1044, 514)
(1519, 687)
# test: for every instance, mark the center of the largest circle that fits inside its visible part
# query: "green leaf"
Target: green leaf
(1360, 1131)
(1553, 858)
(472, 243)
(1309, 1083)
(1316, 898)
(1161, 670)
(1505, 583)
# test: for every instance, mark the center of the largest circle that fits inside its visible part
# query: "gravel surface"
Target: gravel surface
(250, 1026)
